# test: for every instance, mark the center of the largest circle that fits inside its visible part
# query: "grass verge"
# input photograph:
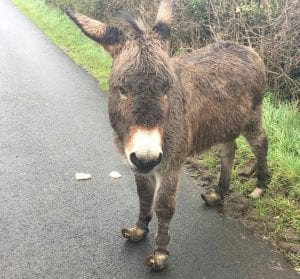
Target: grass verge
(69, 38)
(278, 210)
(282, 122)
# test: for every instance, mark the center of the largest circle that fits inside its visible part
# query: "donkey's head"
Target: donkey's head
(140, 83)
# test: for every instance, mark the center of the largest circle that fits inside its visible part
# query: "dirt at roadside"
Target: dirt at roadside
(239, 207)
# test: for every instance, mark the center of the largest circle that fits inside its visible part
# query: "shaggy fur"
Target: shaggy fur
(196, 100)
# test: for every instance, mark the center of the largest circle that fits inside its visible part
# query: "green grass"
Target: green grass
(281, 203)
(210, 160)
(282, 200)
(69, 38)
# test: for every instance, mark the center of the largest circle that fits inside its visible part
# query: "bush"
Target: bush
(271, 27)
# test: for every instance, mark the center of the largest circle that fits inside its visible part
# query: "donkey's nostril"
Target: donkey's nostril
(145, 163)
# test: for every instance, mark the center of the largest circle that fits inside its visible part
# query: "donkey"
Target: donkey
(163, 109)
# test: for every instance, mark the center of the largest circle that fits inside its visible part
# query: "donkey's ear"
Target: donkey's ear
(109, 37)
(164, 19)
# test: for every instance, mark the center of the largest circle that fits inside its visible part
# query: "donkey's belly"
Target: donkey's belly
(219, 128)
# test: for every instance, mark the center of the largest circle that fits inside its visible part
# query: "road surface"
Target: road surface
(54, 123)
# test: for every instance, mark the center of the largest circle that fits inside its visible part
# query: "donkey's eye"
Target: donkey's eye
(122, 93)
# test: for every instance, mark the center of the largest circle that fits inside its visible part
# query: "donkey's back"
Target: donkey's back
(224, 87)
(224, 69)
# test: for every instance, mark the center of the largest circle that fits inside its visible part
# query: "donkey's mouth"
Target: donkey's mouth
(141, 171)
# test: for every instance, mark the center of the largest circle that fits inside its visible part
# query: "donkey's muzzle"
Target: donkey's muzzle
(144, 164)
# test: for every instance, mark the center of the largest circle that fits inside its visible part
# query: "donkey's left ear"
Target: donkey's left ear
(110, 37)
(164, 19)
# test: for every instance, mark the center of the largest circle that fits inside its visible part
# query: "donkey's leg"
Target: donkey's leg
(257, 139)
(164, 209)
(226, 168)
(225, 176)
(146, 188)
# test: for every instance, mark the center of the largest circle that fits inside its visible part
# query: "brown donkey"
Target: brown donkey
(164, 109)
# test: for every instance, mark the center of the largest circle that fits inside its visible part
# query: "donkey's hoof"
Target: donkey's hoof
(134, 234)
(257, 193)
(212, 198)
(158, 261)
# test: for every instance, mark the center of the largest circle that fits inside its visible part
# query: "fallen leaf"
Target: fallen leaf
(115, 174)
(83, 176)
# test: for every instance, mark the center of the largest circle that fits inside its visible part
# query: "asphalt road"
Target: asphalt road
(53, 123)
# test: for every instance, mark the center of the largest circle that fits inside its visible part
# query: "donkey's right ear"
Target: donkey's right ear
(164, 19)
(110, 37)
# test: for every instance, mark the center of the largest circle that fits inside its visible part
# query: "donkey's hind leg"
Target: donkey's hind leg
(225, 176)
(146, 186)
(256, 137)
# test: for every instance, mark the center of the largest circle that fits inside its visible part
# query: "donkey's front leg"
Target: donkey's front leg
(145, 187)
(164, 209)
